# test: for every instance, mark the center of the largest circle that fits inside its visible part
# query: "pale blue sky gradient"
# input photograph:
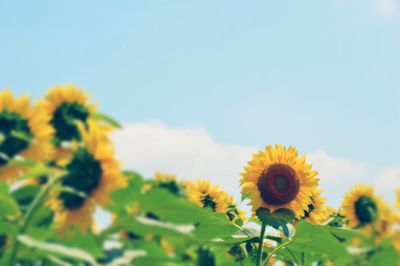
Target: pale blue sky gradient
(315, 74)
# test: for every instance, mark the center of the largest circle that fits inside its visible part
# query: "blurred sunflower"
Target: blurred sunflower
(360, 206)
(68, 104)
(384, 223)
(169, 182)
(234, 214)
(164, 177)
(318, 212)
(207, 196)
(94, 174)
(24, 132)
(278, 178)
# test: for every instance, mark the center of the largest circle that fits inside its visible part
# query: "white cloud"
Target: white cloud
(337, 174)
(387, 8)
(192, 153)
(387, 181)
(189, 152)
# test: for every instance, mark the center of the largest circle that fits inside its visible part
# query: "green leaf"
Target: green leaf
(86, 242)
(386, 255)
(57, 250)
(21, 162)
(168, 207)
(315, 239)
(21, 135)
(35, 169)
(105, 118)
(143, 227)
(2, 137)
(245, 195)
(8, 206)
(342, 234)
(24, 195)
(8, 228)
(279, 218)
(4, 188)
(132, 174)
(126, 197)
(217, 226)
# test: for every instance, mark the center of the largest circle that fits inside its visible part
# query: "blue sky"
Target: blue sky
(321, 75)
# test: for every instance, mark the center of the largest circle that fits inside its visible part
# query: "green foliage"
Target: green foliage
(278, 219)
(153, 221)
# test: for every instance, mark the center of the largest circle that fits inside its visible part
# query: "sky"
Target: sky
(200, 85)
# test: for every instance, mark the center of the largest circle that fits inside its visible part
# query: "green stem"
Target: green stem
(303, 258)
(260, 245)
(29, 215)
(276, 250)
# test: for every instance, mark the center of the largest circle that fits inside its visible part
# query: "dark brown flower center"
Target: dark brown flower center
(15, 135)
(366, 209)
(278, 184)
(65, 118)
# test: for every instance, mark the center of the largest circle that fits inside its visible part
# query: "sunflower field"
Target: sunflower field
(58, 168)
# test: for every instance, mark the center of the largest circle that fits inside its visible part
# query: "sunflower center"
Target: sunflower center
(84, 173)
(15, 135)
(232, 213)
(366, 209)
(278, 184)
(64, 120)
(208, 201)
(172, 187)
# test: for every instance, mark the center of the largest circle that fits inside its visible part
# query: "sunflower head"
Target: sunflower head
(360, 206)
(318, 212)
(278, 178)
(234, 214)
(68, 105)
(383, 225)
(93, 174)
(207, 196)
(169, 182)
(24, 132)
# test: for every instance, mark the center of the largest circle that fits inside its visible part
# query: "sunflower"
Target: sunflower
(360, 206)
(24, 132)
(166, 181)
(94, 173)
(384, 223)
(318, 212)
(207, 196)
(164, 177)
(68, 104)
(234, 214)
(277, 178)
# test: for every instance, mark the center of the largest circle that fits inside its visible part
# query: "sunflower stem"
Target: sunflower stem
(276, 250)
(260, 244)
(29, 215)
